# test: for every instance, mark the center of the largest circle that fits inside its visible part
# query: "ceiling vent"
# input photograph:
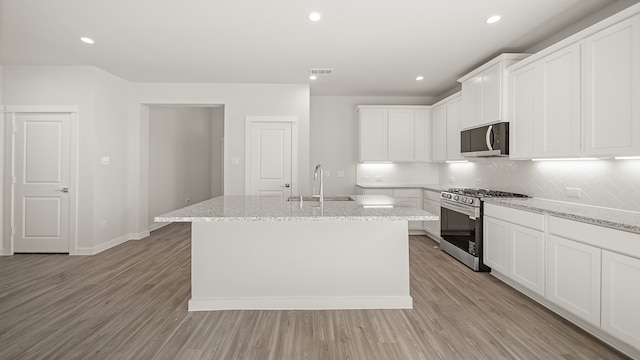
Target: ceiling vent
(321, 72)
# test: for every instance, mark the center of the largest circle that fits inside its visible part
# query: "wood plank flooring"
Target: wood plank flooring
(130, 302)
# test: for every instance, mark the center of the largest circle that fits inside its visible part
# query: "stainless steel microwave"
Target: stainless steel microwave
(485, 141)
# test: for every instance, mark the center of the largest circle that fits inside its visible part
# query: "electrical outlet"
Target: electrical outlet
(572, 192)
(187, 200)
(378, 178)
(103, 225)
(327, 173)
(367, 178)
(452, 179)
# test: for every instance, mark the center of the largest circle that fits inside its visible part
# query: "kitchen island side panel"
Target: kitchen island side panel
(300, 265)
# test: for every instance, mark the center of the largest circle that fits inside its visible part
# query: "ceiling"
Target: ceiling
(375, 47)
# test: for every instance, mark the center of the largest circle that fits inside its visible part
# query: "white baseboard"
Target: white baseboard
(322, 303)
(111, 243)
(5, 252)
(156, 226)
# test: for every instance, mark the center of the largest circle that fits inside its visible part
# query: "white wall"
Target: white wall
(180, 158)
(607, 183)
(217, 151)
(334, 135)
(239, 100)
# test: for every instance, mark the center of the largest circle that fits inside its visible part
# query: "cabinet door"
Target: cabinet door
(385, 192)
(440, 133)
(454, 117)
(400, 135)
(471, 97)
(432, 227)
(574, 278)
(621, 297)
(527, 257)
(524, 103)
(558, 132)
(612, 90)
(491, 95)
(423, 135)
(496, 244)
(373, 134)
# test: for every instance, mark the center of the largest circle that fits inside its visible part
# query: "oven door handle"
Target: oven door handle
(472, 212)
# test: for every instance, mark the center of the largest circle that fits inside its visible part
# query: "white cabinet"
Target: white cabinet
(612, 90)
(574, 278)
(496, 244)
(484, 92)
(545, 106)
(389, 133)
(423, 135)
(454, 116)
(372, 127)
(432, 205)
(402, 196)
(440, 132)
(621, 296)
(400, 132)
(514, 245)
(447, 115)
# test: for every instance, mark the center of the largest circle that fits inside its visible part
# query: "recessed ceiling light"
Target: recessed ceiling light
(87, 40)
(493, 19)
(420, 78)
(313, 77)
(314, 16)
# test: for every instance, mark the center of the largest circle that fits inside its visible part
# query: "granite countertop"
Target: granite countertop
(265, 208)
(612, 218)
(432, 187)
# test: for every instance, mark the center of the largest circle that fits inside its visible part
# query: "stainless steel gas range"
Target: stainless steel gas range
(461, 223)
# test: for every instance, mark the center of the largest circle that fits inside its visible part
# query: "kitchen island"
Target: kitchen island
(251, 252)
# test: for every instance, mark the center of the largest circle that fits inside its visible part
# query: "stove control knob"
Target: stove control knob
(456, 197)
(464, 200)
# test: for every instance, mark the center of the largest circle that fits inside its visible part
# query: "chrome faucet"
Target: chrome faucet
(318, 170)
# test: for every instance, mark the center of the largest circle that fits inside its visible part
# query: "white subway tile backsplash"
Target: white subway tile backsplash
(607, 183)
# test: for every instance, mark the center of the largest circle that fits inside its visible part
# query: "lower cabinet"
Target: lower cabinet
(514, 245)
(574, 278)
(621, 296)
(432, 205)
(410, 197)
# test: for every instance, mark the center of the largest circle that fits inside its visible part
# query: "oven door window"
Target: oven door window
(458, 229)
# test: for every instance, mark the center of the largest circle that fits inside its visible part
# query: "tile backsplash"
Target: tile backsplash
(606, 183)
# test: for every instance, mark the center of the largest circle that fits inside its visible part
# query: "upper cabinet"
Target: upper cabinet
(612, 90)
(447, 115)
(545, 106)
(394, 133)
(579, 97)
(484, 92)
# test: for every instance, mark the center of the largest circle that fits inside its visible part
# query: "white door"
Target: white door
(41, 161)
(271, 159)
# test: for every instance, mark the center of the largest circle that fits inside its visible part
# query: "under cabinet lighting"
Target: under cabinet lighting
(420, 78)
(313, 77)
(566, 159)
(456, 161)
(627, 158)
(87, 40)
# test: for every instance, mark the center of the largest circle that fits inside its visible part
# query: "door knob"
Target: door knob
(287, 185)
(63, 190)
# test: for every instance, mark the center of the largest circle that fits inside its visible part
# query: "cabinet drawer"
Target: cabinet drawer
(519, 217)
(407, 193)
(605, 238)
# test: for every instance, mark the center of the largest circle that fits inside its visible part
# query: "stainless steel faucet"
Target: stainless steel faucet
(318, 170)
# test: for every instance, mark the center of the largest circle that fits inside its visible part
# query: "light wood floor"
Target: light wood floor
(130, 302)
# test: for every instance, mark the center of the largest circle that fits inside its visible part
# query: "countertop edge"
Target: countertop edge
(295, 218)
(598, 221)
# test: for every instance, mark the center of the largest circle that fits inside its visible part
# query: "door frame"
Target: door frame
(248, 124)
(7, 155)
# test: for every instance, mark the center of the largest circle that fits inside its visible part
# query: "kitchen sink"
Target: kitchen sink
(326, 198)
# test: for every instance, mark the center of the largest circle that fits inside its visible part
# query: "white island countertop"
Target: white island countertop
(271, 208)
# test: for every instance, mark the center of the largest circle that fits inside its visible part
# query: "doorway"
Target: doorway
(186, 156)
(40, 179)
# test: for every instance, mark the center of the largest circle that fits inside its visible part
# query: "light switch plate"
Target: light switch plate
(572, 192)
(105, 160)
(340, 173)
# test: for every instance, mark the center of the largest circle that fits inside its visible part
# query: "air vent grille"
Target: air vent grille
(321, 71)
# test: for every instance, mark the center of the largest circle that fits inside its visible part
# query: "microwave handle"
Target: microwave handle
(488, 137)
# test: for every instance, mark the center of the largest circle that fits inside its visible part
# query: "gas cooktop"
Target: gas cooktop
(470, 196)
